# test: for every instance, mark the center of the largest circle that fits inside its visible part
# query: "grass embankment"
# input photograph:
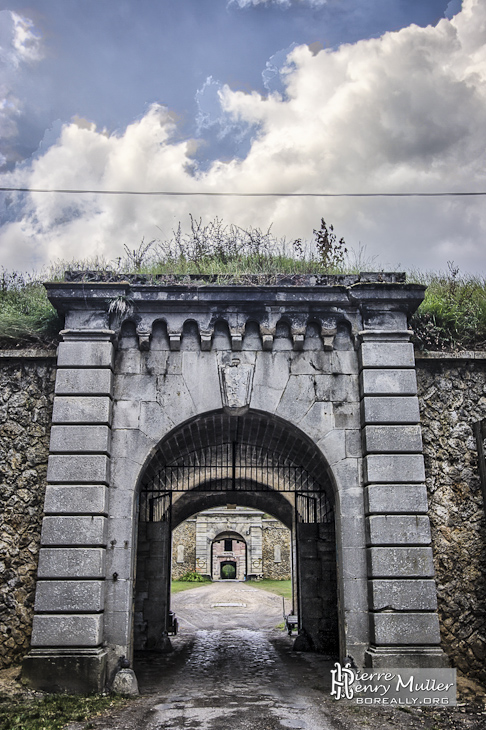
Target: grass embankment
(452, 316)
(27, 318)
(53, 711)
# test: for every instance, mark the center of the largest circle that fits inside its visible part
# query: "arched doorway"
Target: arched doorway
(247, 459)
(227, 570)
(228, 549)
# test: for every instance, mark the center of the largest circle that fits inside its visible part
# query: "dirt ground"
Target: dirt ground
(231, 669)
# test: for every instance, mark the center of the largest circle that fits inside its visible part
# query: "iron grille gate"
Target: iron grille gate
(155, 506)
(313, 508)
(234, 466)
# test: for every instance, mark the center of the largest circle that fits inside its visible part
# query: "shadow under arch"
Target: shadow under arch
(268, 433)
(250, 458)
(273, 503)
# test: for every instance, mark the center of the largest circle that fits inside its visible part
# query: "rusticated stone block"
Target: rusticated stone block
(85, 354)
(66, 596)
(82, 469)
(388, 382)
(394, 468)
(80, 438)
(95, 381)
(61, 630)
(386, 355)
(73, 531)
(402, 595)
(82, 409)
(71, 563)
(400, 562)
(393, 409)
(396, 498)
(80, 671)
(398, 529)
(379, 439)
(414, 629)
(76, 499)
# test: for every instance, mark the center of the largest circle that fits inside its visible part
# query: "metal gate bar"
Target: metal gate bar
(234, 466)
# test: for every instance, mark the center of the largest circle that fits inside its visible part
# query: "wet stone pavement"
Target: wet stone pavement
(232, 669)
(239, 679)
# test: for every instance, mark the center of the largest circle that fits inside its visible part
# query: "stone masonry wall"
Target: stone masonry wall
(185, 535)
(452, 397)
(26, 395)
(275, 534)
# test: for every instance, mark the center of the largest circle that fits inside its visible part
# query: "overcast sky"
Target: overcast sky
(293, 96)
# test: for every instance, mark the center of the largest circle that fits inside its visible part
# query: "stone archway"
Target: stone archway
(249, 458)
(328, 362)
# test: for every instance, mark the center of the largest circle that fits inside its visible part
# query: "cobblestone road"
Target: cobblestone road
(231, 669)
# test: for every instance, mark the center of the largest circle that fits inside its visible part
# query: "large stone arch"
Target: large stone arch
(230, 454)
(339, 368)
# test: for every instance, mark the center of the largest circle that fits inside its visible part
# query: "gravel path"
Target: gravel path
(246, 607)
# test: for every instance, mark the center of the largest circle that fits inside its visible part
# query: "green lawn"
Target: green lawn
(280, 587)
(183, 585)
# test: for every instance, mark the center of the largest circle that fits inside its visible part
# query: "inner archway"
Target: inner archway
(247, 459)
(228, 556)
(228, 570)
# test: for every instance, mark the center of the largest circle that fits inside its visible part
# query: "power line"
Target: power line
(242, 195)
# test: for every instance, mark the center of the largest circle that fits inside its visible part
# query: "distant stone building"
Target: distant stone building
(236, 542)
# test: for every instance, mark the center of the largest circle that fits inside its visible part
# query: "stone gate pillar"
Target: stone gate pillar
(67, 638)
(404, 625)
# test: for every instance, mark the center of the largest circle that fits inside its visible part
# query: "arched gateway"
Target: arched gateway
(297, 398)
(251, 458)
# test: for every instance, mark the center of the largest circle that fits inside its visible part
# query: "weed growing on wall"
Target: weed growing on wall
(452, 316)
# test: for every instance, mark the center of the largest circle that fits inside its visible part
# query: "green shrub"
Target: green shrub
(193, 577)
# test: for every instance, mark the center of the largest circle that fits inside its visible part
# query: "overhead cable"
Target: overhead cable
(180, 193)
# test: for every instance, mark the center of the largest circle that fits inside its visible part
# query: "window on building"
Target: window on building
(277, 554)
(180, 553)
(228, 546)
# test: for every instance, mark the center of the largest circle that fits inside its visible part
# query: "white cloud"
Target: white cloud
(20, 47)
(26, 39)
(405, 112)
(20, 41)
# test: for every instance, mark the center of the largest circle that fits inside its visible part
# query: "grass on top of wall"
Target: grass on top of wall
(452, 316)
(27, 318)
